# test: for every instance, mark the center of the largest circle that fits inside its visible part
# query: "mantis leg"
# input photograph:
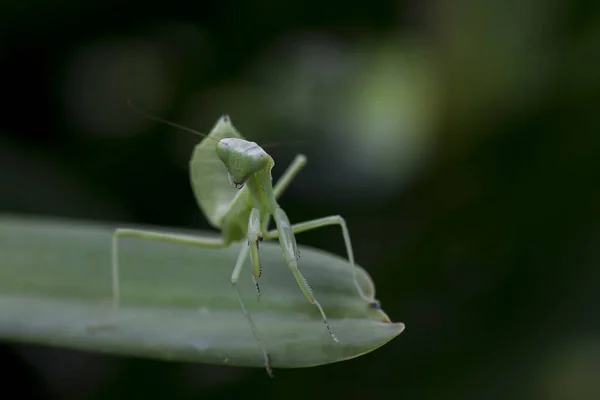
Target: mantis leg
(193, 241)
(322, 222)
(235, 276)
(289, 175)
(287, 241)
(254, 236)
(285, 180)
(152, 235)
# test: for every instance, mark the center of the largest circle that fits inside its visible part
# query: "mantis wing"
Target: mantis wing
(208, 174)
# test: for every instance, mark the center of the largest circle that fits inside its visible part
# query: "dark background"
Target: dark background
(459, 139)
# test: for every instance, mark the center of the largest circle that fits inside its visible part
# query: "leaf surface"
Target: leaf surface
(177, 302)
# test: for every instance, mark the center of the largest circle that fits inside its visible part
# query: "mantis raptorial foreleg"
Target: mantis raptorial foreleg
(254, 236)
(214, 243)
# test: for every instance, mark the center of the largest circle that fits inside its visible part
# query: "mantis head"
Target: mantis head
(242, 159)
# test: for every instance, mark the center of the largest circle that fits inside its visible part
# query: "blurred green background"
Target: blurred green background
(459, 139)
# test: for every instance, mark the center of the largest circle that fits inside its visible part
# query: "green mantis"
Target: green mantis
(231, 180)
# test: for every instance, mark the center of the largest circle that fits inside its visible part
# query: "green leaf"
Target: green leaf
(177, 301)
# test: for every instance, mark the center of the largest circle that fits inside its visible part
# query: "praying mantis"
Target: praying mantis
(231, 180)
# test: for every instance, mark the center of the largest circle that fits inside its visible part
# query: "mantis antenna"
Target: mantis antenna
(164, 121)
(185, 128)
